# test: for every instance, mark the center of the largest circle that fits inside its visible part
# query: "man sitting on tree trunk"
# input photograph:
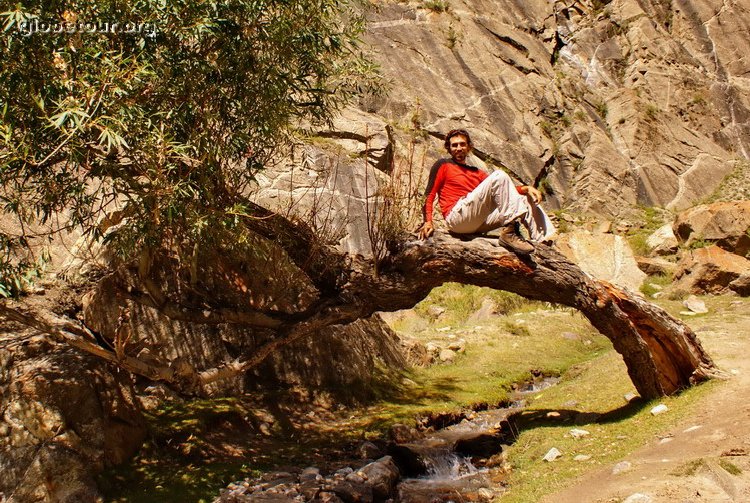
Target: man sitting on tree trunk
(473, 202)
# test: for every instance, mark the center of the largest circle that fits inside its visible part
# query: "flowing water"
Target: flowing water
(449, 474)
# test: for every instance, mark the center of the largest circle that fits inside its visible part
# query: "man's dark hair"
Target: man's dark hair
(456, 132)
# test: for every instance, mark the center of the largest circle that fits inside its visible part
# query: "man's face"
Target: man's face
(459, 148)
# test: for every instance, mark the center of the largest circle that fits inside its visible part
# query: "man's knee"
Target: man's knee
(500, 176)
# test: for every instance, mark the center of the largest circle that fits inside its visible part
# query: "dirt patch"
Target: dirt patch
(706, 457)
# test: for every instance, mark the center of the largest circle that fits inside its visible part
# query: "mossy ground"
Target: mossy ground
(198, 447)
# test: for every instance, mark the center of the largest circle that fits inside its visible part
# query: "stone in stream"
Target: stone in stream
(352, 493)
(368, 450)
(382, 475)
(483, 445)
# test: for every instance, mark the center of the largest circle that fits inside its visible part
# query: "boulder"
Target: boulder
(603, 256)
(655, 265)
(65, 417)
(663, 241)
(382, 476)
(726, 224)
(486, 311)
(741, 285)
(695, 305)
(483, 445)
(416, 353)
(447, 355)
(709, 270)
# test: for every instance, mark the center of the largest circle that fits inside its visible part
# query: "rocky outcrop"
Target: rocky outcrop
(710, 270)
(656, 266)
(64, 417)
(603, 256)
(726, 224)
(663, 241)
(343, 360)
(606, 104)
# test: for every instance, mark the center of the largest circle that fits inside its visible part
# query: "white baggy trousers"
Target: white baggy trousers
(495, 203)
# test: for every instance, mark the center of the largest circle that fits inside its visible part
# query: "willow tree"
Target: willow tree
(168, 108)
(169, 115)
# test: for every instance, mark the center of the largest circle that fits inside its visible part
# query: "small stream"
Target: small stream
(459, 462)
(447, 455)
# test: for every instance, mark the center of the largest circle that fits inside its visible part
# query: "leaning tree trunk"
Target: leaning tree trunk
(662, 354)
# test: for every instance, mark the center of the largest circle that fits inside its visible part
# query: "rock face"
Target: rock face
(609, 104)
(710, 270)
(64, 417)
(344, 360)
(727, 224)
(603, 256)
(605, 105)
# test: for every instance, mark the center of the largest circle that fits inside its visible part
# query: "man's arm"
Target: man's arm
(528, 190)
(434, 183)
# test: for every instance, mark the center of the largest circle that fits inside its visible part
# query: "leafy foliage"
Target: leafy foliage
(167, 108)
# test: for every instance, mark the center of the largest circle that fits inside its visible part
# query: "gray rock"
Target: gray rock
(353, 493)
(310, 473)
(485, 312)
(659, 409)
(382, 476)
(552, 454)
(621, 467)
(629, 397)
(695, 304)
(663, 241)
(486, 494)
(638, 498)
(368, 450)
(447, 355)
(603, 256)
(67, 415)
(459, 345)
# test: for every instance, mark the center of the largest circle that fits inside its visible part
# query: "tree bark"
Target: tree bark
(662, 354)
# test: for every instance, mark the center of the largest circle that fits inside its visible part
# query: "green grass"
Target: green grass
(655, 283)
(501, 350)
(616, 428)
(436, 5)
(651, 219)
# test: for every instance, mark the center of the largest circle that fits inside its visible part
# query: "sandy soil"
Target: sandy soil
(687, 463)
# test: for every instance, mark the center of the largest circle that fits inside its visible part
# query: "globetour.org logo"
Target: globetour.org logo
(38, 26)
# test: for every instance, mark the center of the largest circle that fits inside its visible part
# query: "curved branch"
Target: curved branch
(662, 354)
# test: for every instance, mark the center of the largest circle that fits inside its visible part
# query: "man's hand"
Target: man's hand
(536, 196)
(426, 230)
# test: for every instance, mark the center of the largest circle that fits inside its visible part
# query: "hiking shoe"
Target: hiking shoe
(510, 239)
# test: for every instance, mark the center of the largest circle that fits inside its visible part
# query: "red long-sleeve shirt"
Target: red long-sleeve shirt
(450, 181)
